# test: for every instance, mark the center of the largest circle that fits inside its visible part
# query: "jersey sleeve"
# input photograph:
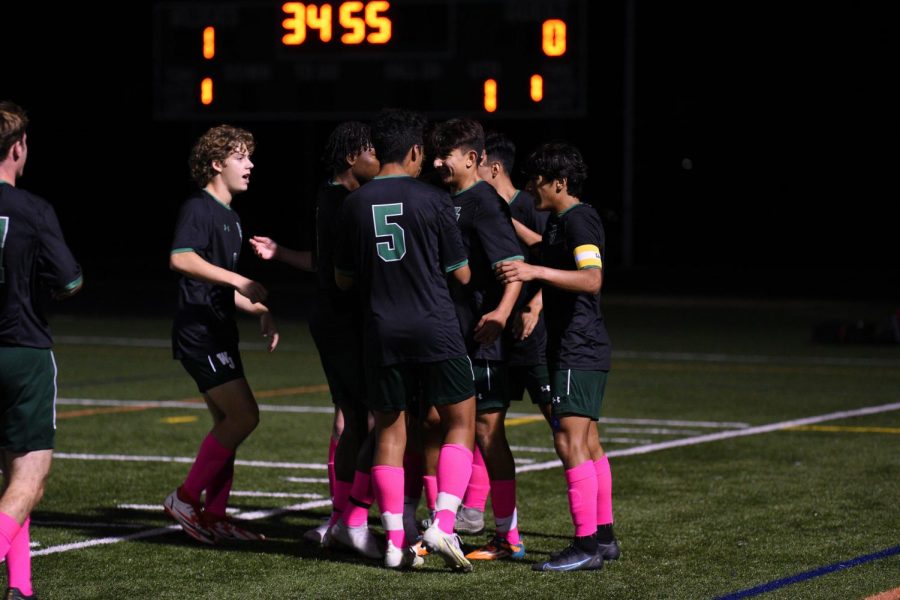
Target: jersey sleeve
(452, 249)
(56, 265)
(584, 234)
(495, 231)
(193, 228)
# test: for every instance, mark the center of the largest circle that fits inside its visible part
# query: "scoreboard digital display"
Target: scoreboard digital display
(307, 60)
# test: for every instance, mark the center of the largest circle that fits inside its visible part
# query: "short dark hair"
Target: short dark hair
(349, 138)
(13, 122)
(463, 133)
(558, 160)
(394, 132)
(217, 144)
(500, 148)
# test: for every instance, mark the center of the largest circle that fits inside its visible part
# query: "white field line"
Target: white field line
(306, 479)
(651, 431)
(251, 494)
(249, 516)
(97, 340)
(186, 459)
(724, 435)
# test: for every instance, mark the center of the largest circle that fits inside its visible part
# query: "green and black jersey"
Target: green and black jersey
(32, 252)
(204, 320)
(576, 334)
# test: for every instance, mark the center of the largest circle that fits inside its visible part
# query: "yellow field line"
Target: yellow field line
(893, 594)
(88, 412)
(523, 420)
(845, 428)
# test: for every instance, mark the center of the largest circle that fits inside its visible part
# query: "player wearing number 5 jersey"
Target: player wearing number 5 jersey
(32, 252)
(399, 242)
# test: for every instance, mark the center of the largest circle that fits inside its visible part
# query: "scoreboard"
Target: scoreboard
(274, 60)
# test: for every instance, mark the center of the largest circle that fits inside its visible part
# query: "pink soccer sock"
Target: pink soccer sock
(361, 498)
(503, 499)
(479, 483)
(387, 482)
(340, 500)
(18, 560)
(219, 489)
(431, 490)
(9, 529)
(582, 482)
(332, 447)
(454, 469)
(604, 491)
(210, 461)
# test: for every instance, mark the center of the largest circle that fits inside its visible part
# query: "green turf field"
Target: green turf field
(703, 519)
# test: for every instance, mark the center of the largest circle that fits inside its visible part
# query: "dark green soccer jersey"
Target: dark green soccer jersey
(489, 238)
(576, 333)
(204, 320)
(32, 251)
(399, 241)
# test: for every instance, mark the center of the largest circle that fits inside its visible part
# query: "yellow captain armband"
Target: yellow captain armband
(588, 257)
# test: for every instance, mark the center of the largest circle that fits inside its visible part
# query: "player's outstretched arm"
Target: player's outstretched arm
(588, 281)
(190, 264)
(268, 249)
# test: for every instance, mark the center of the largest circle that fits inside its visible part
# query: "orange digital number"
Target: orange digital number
(354, 16)
(553, 41)
(355, 26)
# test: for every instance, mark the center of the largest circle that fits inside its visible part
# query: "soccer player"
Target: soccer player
(205, 251)
(336, 327)
(32, 251)
(398, 243)
(484, 308)
(578, 347)
(527, 363)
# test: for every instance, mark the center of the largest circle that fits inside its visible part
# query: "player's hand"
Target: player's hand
(252, 291)
(269, 330)
(525, 324)
(508, 272)
(264, 247)
(489, 327)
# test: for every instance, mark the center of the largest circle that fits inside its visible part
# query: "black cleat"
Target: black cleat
(15, 594)
(610, 550)
(572, 558)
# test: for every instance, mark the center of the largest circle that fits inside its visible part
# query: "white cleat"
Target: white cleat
(358, 538)
(405, 558)
(317, 534)
(190, 517)
(447, 545)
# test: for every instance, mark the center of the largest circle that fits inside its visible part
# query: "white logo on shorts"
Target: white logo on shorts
(225, 359)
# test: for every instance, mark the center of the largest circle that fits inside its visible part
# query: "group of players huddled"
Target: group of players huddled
(437, 305)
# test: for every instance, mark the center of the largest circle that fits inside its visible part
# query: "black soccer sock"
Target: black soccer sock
(605, 534)
(587, 543)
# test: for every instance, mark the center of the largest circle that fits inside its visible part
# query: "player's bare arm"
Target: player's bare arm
(268, 249)
(529, 237)
(586, 281)
(527, 318)
(491, 324)
(267, 326)
(192, 265)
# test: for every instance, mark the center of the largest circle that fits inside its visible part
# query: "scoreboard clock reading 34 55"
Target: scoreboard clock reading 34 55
(336, 60)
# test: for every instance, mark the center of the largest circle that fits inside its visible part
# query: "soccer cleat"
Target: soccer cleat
(317, 534)
(420, 548)
(358, 538)
(469, 521)
(189, 516)
(572, 558)
(496, 548)
(610, 550)
(15, 594)
(447, 545)
(224, 528)
(402, 558)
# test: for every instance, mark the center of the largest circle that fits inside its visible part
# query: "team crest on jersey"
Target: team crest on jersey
(552, 234)
(225, 359)
(457, 209)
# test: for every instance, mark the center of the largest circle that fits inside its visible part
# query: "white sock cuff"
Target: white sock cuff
(507, 523)
(447, 501)
(392, 521)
